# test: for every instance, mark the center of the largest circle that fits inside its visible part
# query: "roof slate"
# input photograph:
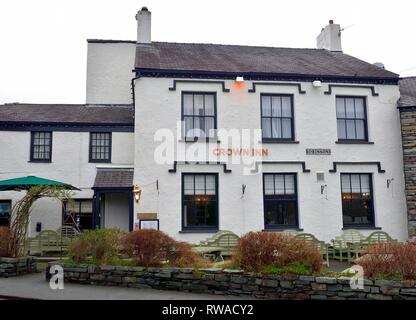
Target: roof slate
(114, 178)
(407, 92)
(67, 113)
(250, 59)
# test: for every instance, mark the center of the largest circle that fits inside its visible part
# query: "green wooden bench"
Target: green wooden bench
(314, 242)
(343, 244)
(356, 249)
(68, 232)
(47, 241)
(220, 245)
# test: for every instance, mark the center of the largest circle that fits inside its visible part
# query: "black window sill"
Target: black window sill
(199, 231)
(353, 142)
(282, 229)
(279, 141)
(40, 161)
(207, 140)
(98, 161)
(361, 228)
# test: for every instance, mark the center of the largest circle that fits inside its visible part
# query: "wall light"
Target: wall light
(137, 191)
(239, 79)
(317, 83)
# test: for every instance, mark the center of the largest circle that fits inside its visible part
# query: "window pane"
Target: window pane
(198, 105)
(365, 183)
(345, 183)
(188, 184)
(276, 106)
(199, 184)
(209, 104)
(199, 126)
(188, 104)
(286, 107)
(340, 107)
(287, 128)
(359, 108)
(266, 105)
(360, 129)
(210, 185)
(349, 106)
(279, 184)
(276, 128)
(266, 127)
(268, 184)
(350, 129)
(209, 126)
(290, 184)
(341, 129)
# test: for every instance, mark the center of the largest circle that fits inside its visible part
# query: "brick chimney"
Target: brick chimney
(330, 37)
(144, 24)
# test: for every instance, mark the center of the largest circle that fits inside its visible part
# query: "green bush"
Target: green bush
(102, 245)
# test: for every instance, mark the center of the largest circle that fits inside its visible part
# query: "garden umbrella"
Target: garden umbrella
(25, 183)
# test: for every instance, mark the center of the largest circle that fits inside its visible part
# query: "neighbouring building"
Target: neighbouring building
(407, 107)
(217, 137)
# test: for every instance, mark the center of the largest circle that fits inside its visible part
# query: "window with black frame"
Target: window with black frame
(351, 119)
(5, 208)
(280, 200)
(41, 146)
(277, 117)
(79, 214)
(100, 147)
(199, 115)
(357, 200)
(200, 201)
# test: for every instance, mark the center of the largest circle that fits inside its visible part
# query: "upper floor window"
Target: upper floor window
(280, 200)
(100, 147)
(357, 200)
(199, 115)
(200, 201)
(351, 118)
(5, 208)
(277, 117)
(41, 146)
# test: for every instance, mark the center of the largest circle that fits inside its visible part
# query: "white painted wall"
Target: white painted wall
(109, 72)
(116, 212)
(315, 127)
(69, 164)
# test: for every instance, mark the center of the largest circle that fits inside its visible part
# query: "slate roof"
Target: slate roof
(114, 178)
(407, 92)
(67, 113)
(250, 59)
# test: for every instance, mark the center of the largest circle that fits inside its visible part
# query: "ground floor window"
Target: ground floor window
(280, 200)
(357, 200)
(79, 214)
(200, 201)
(5, 208)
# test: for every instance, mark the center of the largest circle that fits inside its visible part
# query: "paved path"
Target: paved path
(35, 287)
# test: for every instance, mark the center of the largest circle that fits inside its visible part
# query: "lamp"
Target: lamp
(239, 79)
(137, 191)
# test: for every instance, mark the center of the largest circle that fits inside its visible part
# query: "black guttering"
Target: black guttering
(168, 73)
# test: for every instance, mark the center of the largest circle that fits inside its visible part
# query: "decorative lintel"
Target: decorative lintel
(222, 83)
(330, 86)
(336, 163)
(175, 164)
(254, 84)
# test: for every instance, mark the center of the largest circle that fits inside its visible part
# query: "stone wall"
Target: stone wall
(10, 267)
(408, 123)
(237, 283)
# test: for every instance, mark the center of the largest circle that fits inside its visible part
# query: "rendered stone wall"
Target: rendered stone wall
(408, 123)
(11, 267)
(237, 283)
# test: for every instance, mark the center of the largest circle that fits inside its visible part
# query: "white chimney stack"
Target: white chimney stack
(330, 37)
(144, 24)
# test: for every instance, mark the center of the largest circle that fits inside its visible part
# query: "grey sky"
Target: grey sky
(44, 49)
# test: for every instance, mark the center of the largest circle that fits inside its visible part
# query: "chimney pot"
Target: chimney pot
(331, 21)
(144, 24)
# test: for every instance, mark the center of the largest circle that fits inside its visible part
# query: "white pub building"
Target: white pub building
(216, 137)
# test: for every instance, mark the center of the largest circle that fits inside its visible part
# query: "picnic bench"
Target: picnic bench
(49, 241)
(220, 245)
(314, 242)
(357, 249)
(343, 245)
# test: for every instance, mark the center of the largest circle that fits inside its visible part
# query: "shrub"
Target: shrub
(389, 260)
(4, 242)
(259, 250)
(150, 248)
(101, 244)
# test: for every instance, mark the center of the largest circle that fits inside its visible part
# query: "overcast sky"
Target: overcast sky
(43, 49)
